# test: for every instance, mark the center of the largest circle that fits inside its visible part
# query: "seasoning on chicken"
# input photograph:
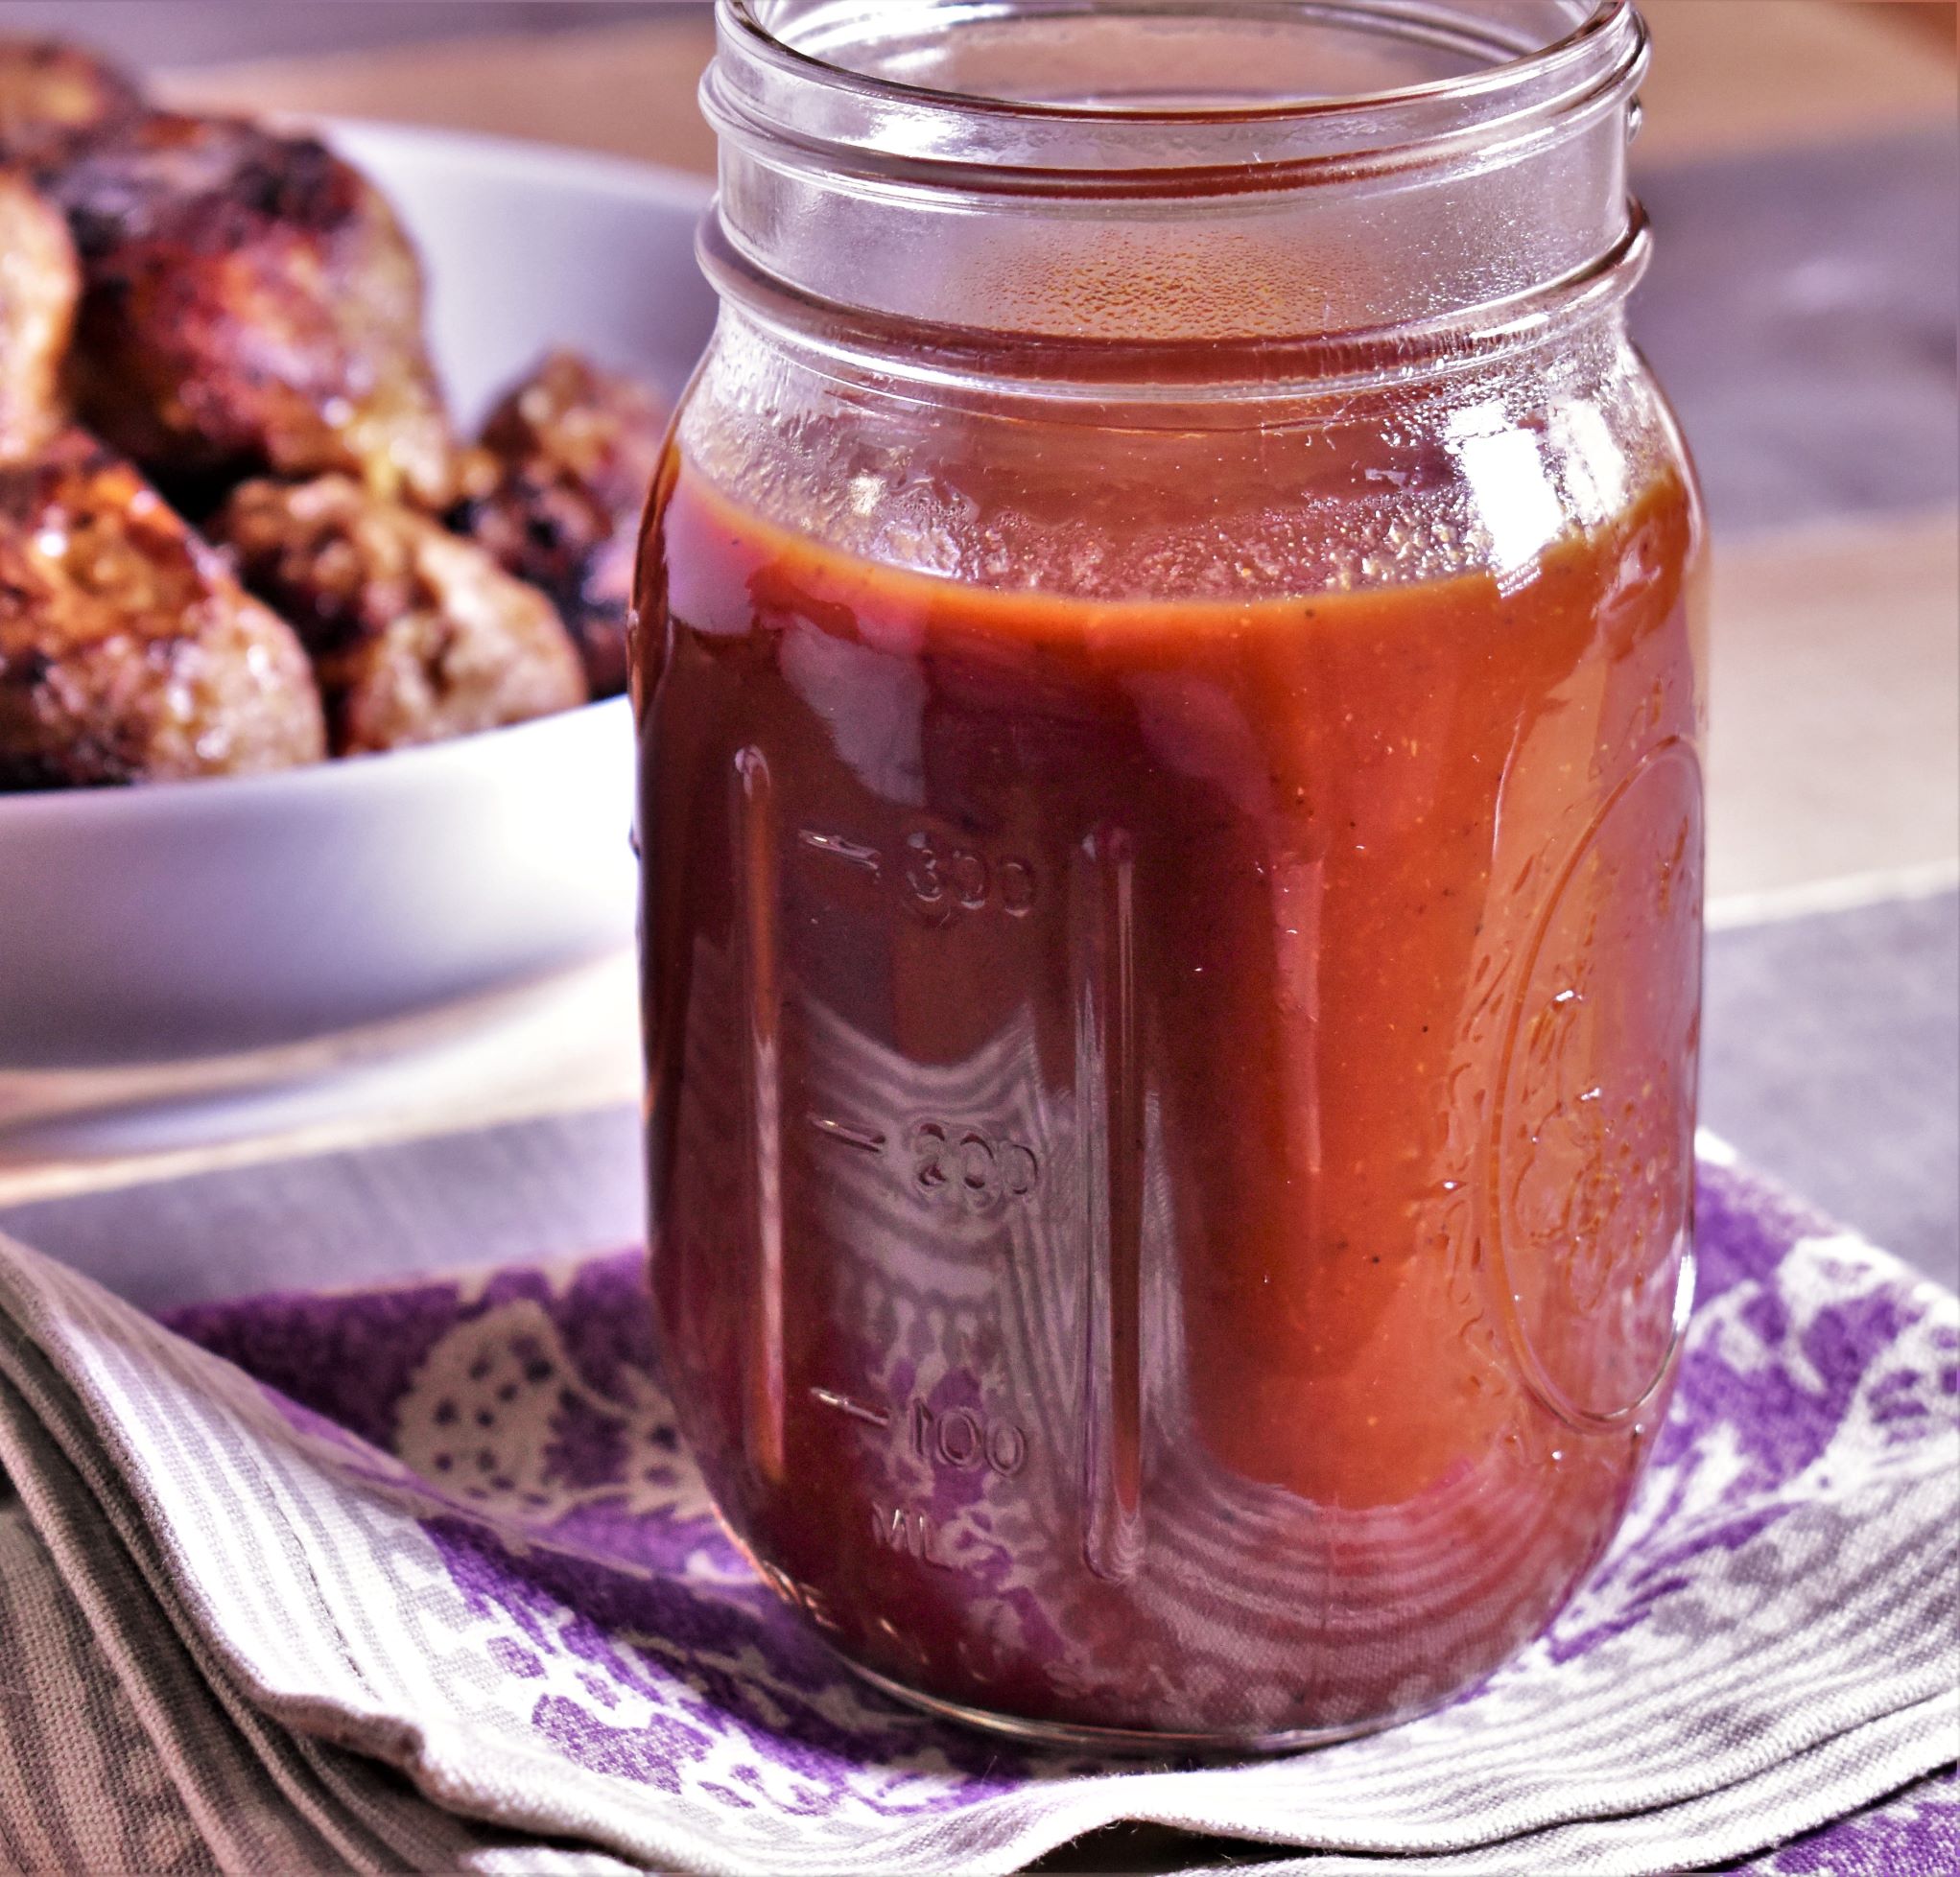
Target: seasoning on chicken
(415, 635)
(56, 100)
(562, 474)
(39, 284)
(127, 651)
(250, 304)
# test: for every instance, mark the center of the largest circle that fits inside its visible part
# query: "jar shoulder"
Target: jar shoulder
(1482, 470)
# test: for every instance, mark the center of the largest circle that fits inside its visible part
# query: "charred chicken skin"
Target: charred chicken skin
(38, 285)
(56, 100)
(250, 305)
(415, 635)
(554, 493)
(129, 653)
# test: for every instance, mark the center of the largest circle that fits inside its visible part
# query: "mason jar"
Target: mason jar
(1169, 683)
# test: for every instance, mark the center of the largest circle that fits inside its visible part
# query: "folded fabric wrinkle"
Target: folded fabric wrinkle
(420, 1577)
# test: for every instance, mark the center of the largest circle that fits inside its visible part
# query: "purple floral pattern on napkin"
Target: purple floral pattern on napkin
(581, 1537)
(569, 1523)
(448, 1527)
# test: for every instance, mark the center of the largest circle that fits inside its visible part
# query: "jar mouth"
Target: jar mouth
(1145, 170)
(1501, 54)
(1011, 94)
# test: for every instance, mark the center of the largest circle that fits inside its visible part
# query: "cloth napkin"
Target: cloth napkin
(420, 1578)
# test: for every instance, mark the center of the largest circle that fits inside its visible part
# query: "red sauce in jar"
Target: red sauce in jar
(1171, 1119)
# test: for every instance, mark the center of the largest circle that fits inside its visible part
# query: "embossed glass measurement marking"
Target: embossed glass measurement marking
(857, 1410)
(968, 1165)
(836, 845)
(899, 1528)
(866, 1139)
(950, 1165)
(937, 873)
(960, 1438)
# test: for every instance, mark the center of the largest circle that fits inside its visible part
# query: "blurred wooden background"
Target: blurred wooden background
(1728, 73)
(1730, 78)
(619, 74)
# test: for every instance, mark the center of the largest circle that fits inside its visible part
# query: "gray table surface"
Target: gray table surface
(1830, 1061)
(1802, 310)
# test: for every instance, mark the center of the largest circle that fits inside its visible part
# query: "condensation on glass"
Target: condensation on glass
(1170, 684)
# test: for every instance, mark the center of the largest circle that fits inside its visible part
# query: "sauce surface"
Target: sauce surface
(1171, 1121)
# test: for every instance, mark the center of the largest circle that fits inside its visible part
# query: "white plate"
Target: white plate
(242, 914)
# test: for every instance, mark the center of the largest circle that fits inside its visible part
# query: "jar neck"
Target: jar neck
(1174, 382)
(946, 178)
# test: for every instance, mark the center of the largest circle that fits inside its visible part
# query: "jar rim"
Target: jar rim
(1322, 213)
(1606, 19)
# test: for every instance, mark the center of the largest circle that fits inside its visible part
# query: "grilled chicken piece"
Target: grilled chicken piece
(38, 285)
(56, 100)
(554, 493)
(127, 651)
(250, 304)
(415, 635)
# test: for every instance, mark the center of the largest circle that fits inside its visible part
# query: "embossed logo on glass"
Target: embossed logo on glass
(1592, 1153)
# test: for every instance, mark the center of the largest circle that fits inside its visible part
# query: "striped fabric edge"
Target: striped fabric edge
(235, 1800)
(260, 1796)
(347, 1810)
(1880, 1756)
(83, 1787)
(117, 1337)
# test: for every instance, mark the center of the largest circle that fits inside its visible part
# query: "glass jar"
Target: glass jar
(1169, 683)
